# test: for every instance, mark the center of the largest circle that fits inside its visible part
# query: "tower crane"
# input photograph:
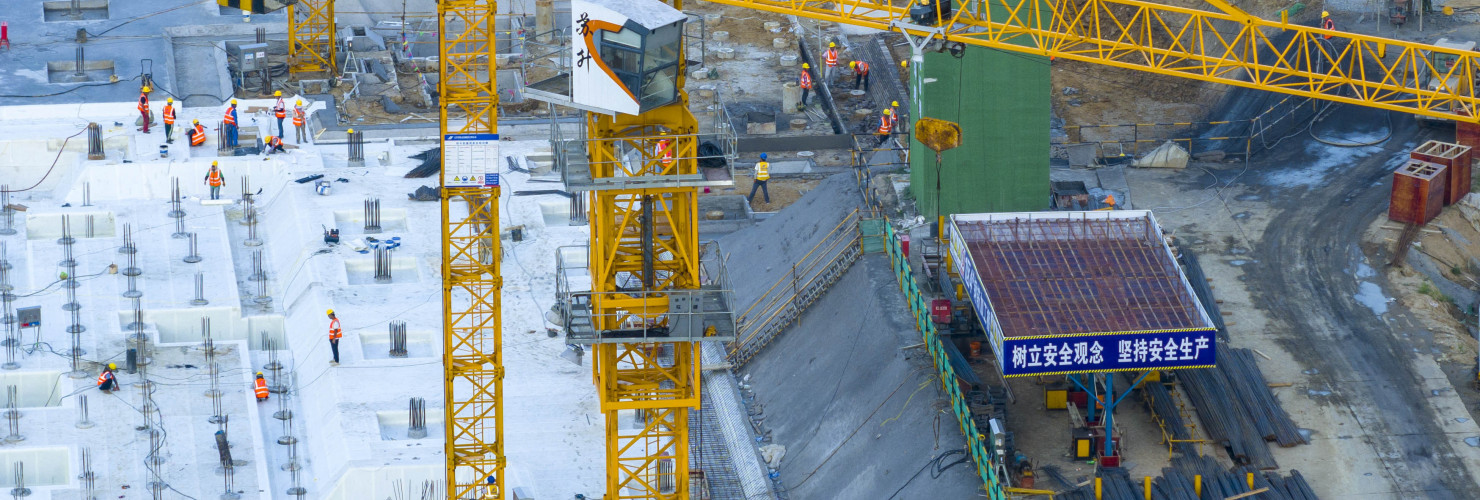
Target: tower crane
(652, 295)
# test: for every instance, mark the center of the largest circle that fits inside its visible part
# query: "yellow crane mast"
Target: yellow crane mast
(311, 36)
(472, 357)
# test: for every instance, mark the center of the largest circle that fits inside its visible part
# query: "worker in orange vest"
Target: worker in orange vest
(279, 110)
(1327, 23)
(215, 180)
(665, 150)
(886, 126)
(300, 118)
(334, 334)
(230, 121)
(805, 82)
(196, 134)
(894, 115)
(260, 387)
(1110, 200)
(860, 74)
(831, 58)
(169, 120)
(106, 381)
(144, 106)
(272, 144)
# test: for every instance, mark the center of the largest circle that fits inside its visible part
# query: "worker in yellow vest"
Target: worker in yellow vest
(169, 120)
(762, 174)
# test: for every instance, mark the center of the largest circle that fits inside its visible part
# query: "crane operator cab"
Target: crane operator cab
(625, 54)
(930, 12)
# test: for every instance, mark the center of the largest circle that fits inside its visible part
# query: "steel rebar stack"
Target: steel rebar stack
(200, 290)
(20, 489)
(94, 142)
(13, 415)
(418, 419)
(83, 422)
(382, 265)
(274, 365)
(176, 210)
(356, 147)
(194, 255)
(398, 339)
(372, 215)
(259, 271)
(7, 291)
(88, 478)
(7, 213)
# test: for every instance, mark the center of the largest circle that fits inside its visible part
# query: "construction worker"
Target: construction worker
(230, 121)
(762, 174)
(1327, 23)
(196, 134)
(271, 144)
(169, 120)
(664, 150)
(260, 387)
(886, 126)
(215, 180)
(300, 118)
(860, 74)
(894, 115)
(805, 82)
(279, 110)
(334, 334)
(144, 106)
(106, 381)
(831, 58)
(1109, 200)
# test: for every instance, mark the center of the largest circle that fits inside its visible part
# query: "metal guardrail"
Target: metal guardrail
(976, 443)
(677, 315)
(810, 276)
(862, 167)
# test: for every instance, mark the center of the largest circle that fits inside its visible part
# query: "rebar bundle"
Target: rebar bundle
(228, 467)
(12, 415)
(7, 295)
(200, 290)
(131, 271)
(250, 218)
(382, 265)
(176, 209)
(275, 366)
(88, 478)
(6, 212)
(262, 297)
(417, 428)
(137, 324)
(88, 231)
(372, 215)
(194, 255)
(82, 420)
(259, 272)
(94, 140)
(398, 339)
(20, 489)
(356, 147)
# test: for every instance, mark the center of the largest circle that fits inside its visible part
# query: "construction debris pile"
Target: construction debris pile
(1181, 482)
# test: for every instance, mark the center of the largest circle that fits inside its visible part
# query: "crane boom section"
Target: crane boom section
(1228, 46)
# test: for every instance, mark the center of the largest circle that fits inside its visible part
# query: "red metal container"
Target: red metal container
(940, 310)
(1456, 159)
(904, 244)
(1418, 192)
(1467, 134)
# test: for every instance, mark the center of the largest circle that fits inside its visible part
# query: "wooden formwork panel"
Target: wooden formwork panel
(1456, 159)
(1418, 192)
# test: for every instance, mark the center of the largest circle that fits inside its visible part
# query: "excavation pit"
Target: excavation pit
(92, 71)
(67, 10)
(47, 466)
(394, 424)
(34, 389)
(362, 271)
(418, 345)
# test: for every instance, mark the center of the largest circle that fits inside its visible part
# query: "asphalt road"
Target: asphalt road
(1313, 243)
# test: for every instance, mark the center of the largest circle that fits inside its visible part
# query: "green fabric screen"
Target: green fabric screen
(1001, 101)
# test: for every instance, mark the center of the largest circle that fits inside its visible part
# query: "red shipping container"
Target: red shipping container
(940, 310)
(1418, 192)
(1456, 159)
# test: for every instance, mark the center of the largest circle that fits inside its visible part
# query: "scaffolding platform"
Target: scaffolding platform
(1079, 292)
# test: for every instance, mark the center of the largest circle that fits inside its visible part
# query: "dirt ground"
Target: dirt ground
(783, 191)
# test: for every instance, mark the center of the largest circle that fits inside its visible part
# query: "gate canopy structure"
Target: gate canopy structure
(1079, 292)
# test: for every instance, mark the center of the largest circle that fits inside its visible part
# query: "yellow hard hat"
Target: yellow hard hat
(277, 93)
(112, 366)
(852, 64)
(300, 101)
(214, 164)
(830, 44)
(331, 311)
(888, 112)
(233, 101)
(351, 131)
(259, 374)
(266, 139)
(169, 99)
(1325, 13)
(894, 103)
(904, 63)
(146, 88)
(197, 122)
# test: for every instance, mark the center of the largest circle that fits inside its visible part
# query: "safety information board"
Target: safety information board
(470, 160)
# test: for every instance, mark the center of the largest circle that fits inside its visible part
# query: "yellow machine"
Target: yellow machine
(257, 6)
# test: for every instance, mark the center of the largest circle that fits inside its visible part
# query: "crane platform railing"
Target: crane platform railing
(706, 313)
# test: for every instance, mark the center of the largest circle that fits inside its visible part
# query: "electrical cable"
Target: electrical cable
(54, 161)
(73, 89)
(936, 471)
(144, 16)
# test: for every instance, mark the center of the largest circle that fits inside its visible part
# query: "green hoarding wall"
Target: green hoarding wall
(1001, 101)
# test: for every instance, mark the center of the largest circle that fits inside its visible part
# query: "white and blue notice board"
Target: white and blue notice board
(470, 160)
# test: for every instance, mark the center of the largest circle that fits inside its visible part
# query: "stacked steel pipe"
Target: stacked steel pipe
(1179, 482)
